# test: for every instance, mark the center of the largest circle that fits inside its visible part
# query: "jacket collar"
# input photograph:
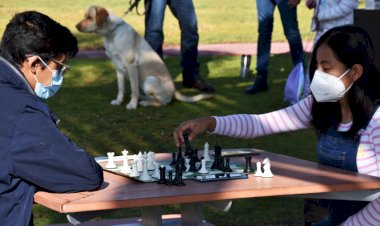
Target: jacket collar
(9, 73)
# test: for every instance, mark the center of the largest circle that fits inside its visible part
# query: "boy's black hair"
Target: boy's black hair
(351, 45)
(33, 33)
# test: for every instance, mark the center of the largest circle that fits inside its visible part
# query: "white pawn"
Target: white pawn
(151, 158)
(111, 163)
(156, 173)
(187, 164)
(203, 169)
(145, 175)
(267, 171)
(140, 162)
(206, 156)
(134, 172)
(125, 169)
(259, 172)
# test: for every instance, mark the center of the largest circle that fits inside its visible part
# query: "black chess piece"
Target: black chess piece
(217, 157)
(188, 149)
(162, 179)
(221, 163)
(248, 165)
(192, 164)
(196, 155)
(170, 179)
(178, 177)
(174, 161)
(180, 160)
(227, 167)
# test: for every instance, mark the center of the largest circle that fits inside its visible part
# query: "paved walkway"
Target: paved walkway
(225, 49)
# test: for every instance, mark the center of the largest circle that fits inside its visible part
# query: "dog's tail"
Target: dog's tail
(191, 99)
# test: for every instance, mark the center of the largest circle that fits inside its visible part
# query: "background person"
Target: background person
(288, 13)
(184, 11)
(342, 109)
(35, 155)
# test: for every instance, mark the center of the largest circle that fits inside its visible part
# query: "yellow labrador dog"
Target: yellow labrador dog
(133, 57)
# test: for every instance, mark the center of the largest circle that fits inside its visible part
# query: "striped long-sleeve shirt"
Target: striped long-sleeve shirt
(297, 117)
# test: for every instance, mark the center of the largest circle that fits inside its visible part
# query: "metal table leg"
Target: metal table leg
(191, 214)
(151, 215)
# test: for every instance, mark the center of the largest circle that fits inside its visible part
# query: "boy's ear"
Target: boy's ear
(33, 62)
(358, 71)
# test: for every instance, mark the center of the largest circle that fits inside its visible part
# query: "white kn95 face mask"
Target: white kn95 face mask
(328, 88)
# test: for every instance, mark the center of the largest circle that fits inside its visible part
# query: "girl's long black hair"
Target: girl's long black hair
(351, 45)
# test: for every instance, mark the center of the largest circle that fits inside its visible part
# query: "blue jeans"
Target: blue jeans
(184, 11)
(338, 150)
(265, 9)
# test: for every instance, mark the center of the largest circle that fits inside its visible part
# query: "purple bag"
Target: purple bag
(295, 84)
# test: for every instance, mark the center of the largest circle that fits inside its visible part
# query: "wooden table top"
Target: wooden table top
(292, 176)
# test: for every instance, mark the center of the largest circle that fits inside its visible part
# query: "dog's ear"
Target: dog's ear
(101, 16)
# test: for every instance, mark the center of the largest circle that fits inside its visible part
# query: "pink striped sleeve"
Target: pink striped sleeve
(370, 215)
(292, 118)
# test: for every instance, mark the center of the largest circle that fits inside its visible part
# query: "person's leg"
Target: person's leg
(265, 11)
(154, 20)
(291, 30)
(184, 11)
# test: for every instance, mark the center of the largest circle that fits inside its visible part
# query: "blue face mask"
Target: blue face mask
(46, 92)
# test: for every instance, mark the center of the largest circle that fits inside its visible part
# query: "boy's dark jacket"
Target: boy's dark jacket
(34, 154)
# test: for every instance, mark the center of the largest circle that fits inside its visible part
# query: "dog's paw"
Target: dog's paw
(145, 103)
(131, 105)
(116, 102)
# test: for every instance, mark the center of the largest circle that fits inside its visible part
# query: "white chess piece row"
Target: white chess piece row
(141, 163)
(266, 166)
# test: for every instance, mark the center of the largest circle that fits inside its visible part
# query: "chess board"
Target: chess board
(212, 175)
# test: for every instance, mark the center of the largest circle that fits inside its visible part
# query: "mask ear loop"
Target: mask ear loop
(349, 87)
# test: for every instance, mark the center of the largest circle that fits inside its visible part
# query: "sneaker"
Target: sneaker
(199, 84)
(259, 85)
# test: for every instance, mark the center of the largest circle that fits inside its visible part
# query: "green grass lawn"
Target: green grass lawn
(219, 21)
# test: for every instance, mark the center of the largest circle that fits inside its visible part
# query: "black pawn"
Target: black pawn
(162, 179)
(174, 161)
(227, 167)
(178, 178)
(170, 180)
(248, 165)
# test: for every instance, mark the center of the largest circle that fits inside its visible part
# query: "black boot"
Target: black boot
(259, 85)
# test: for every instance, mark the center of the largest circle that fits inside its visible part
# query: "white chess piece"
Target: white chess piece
(151, 158)
(140, 162)
(125, 169)
(203, 169)
(134, 172)
(259, 172)
(111, 163)
(206, 156)
(187, 164)
(156, 173)
(145, 175)
(267, 171)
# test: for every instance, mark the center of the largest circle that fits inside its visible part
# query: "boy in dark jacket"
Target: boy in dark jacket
(34, 154)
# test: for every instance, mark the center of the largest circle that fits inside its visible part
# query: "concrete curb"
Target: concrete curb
(224, 49)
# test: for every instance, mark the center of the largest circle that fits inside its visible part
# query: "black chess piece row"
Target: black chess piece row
(178, 179)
